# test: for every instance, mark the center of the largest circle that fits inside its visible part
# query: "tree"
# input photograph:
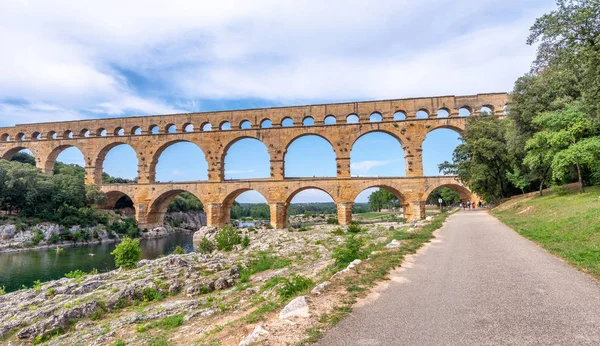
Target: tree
(127, 253)
(382, 199)
(517, 179)
(448, 195)
(566, 134)
(482, 159)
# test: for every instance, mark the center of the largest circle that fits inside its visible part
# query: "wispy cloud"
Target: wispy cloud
(363, 168)
(86, 59)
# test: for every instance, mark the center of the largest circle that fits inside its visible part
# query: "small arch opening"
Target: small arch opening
(206, 127)
(20, 136)
(287, 122)
(171, 128)
(188, 127)
(266, 124)
(375, 118)
(352, 119)
(422, 114)
(153, 129)
(52, 135)
(85, 133)
(245, 125)
(486, 110)
(101, 132)
(36, 135)
(308, 121)
(225, 126)
(399, 115)
(136, 130)
(5, 137)
(329, 120)
(119, 131)
(68, 134)
(464, 112)
(443, 113)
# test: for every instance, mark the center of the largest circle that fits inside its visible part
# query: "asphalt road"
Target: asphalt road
(478, 283)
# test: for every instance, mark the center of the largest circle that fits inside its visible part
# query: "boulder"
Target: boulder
(320, 287)
(7, 231)
(253, 338)
(394, 244)
(296, 308)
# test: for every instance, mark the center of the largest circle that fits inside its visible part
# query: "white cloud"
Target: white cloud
(363, 168)
(150, 57)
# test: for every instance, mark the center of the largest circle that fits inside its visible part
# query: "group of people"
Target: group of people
(471, 205)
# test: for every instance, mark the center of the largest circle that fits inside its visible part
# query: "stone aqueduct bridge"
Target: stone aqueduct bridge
(95, 138)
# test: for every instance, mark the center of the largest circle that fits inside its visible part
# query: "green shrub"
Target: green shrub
(37, 238)
(178, 250)
(332, 221)
(560, 190)
(51, 291)
(349, 251)
(171, 322)
(2, 290)
(151, 294)
(75, 274)
(262, 263)
(206, 246)
(37, 285)
(245, 242)
(227, 238)
(338, 231)
(119, 343)
(126, 227)
(355, 228)
(53, 239)
(293, 285)
(304, 229)
(127, 253)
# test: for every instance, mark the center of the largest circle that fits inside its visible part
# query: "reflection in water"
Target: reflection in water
(23, 268)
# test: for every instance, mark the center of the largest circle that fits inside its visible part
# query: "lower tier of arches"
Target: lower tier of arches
(152, 200)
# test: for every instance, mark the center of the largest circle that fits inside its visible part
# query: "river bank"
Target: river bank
(189, 298)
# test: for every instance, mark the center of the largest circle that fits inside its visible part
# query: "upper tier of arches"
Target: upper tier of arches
(248, 120)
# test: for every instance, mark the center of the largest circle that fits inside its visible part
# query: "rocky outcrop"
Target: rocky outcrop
(296, 308)
(57, 304)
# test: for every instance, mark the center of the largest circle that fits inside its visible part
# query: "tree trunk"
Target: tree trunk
(580, 180)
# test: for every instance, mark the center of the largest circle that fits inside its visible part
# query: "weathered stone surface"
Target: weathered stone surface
(320, 287)
(296, 308)
(394, 244)
(255, 337)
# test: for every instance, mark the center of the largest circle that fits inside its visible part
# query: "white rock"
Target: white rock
(354, 263)
(320, 287)
(254, 337)
(429, 218)
(296, 308)
(394, 244)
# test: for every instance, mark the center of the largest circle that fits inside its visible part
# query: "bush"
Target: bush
(53, 239)
(294, 285)
(560, 190)
(227, 238)
(338, 231)
(332, 221)
(151, 294)
(126, 227)
(178, 250)
(127, 253)
(245, 242)
(206, 246)
(2, 290)
(355, 228)
(75, 274)
(349, 251)
(37, 238)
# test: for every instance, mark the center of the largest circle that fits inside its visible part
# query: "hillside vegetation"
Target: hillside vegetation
(566, 225)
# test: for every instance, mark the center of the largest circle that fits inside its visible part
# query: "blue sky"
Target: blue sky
(94, 59)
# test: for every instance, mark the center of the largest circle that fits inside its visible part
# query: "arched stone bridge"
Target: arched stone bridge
(407, 120)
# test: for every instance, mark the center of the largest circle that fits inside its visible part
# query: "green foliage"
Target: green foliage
(120, 343)
(127, 227)
(151, 294)
(332, 221)
(2, 290)
(178, 250)
(75, 274)
(517, 179)
(294, 285)
(227, 237)
(206, 246)
(37, 285)
(127, 253)
(257, 211)
(171, 322)
(158, 341)
(560, 190)
(351, 250)
(37, 238)
(381, 199)
(51, 291)
(448, 196)
(263, 261)
(482, 158)
(355, 228)
(338, 231)
(245, 242)
(185, 202)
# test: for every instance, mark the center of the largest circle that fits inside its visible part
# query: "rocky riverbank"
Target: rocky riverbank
(186, 299)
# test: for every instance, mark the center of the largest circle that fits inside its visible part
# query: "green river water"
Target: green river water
(23, 268)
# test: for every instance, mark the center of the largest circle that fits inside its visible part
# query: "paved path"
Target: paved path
(480, 284)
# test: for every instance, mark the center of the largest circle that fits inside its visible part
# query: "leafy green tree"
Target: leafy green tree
(517, 179)
(381, 199)
(127, 253)
(567, 134)
(448, 195)
(482, 159)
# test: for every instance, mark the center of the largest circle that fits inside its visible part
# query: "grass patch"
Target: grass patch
(262, 262)
(568, 225)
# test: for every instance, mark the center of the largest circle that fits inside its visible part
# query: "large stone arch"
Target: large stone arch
(9, 153)
(157, 207)
(100, 156)
(227, 202)
(464, 192)
(230, 143)
(289, 142)
(156, 154)
(50, 160)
